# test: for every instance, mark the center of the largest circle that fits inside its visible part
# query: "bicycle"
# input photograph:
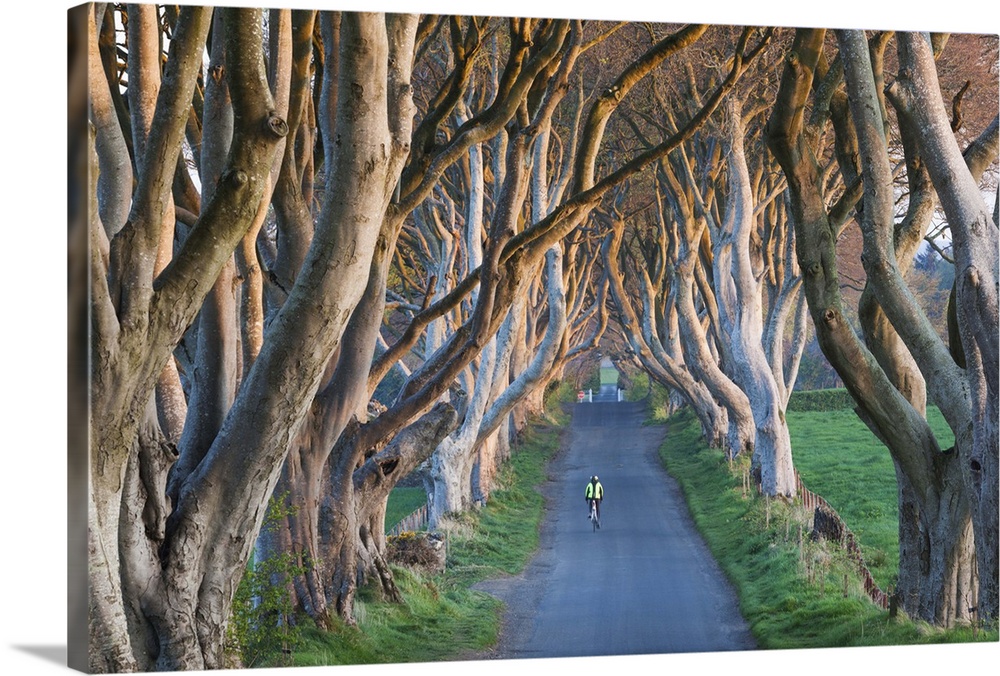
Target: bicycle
(595, 521)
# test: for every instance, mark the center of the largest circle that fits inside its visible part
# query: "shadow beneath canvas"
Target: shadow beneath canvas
(56, 654)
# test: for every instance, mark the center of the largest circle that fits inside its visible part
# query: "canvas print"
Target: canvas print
(421, 338)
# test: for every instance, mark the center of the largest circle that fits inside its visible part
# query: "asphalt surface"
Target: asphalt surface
(645, 583)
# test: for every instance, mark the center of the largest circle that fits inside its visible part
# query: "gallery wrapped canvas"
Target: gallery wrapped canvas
(367, 307)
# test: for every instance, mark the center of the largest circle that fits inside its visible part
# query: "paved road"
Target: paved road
(644, 583)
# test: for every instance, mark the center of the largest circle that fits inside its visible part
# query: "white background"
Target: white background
(32, 222)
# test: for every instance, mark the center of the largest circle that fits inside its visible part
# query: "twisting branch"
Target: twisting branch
(553, 227)
(956, 107)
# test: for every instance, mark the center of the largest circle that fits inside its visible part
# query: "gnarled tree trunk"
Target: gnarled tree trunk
(975, 237)
(741, 315)
(937, 514)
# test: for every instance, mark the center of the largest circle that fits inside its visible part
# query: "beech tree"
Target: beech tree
(938, 581)
(163, 577)
(955, 179)
(134, 328)
(702, 289)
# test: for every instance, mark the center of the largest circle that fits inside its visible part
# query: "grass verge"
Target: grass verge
(655, 395)
(441, 617)
(794, 593)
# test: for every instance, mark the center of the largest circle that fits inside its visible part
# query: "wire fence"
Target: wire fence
(813, 502)
(416, 520)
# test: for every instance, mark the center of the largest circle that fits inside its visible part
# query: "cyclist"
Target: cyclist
(595, 492)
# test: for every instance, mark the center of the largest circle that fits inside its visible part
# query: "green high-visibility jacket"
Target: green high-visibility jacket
(594, 491)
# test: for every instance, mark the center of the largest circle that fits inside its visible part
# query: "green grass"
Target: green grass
(442, 618)
(609, 376)
(403, 501)
(792, 592)
(655, 394)
(840, 459)
(433, 624)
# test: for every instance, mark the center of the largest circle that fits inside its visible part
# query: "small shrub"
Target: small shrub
(876, 558)
(659, 403)
(639, 388)
(417, 550)
(262, 627)
(642, 389)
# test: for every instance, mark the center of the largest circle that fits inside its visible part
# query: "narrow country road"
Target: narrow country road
(644, 583)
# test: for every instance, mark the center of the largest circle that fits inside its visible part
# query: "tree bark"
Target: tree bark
(939, 513)
(741, 314)
(345, 394)
(136, 324)
(114, 183)
(452, 461)
(214, 374)
(360, 555)
(975, 238)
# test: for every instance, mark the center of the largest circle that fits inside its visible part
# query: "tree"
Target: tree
(739, 291)
(974, 230)
(135, 324)
(171, 608)
(935, 528)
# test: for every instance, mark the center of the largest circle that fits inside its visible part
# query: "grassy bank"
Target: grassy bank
(839, 458)
(794, 593)
(654, 394)
(442, 618)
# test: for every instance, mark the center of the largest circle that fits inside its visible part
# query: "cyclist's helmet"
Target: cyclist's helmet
(593, 478)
